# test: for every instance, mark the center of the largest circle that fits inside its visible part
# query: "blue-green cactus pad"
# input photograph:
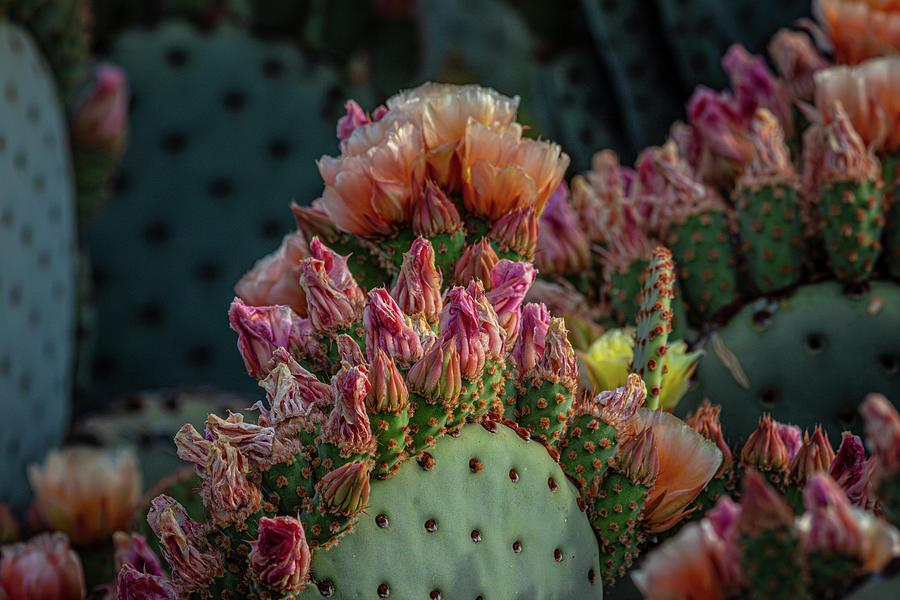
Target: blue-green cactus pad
(37, 262)
(467, 504)
(810, 358)
(225, 132)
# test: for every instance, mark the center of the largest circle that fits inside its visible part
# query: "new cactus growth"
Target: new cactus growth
(654, 323)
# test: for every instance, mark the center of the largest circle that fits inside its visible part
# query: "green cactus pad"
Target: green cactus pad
(771, 561)
(391, 431)
(890, 167)
(288, 484)
(854, 220)
(625, 290)
(586, 450)
(771, 233)
(706, 263)
(543, 409)
(614, 515)
(427, 422)
(37, 262)
(810, 358)
(457, 533)
(654, 324)
(223, 126)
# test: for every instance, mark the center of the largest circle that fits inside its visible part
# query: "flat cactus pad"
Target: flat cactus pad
(37, 269)
(809, 358)
(493, 517)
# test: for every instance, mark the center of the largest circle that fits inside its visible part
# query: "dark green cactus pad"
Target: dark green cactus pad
(890, 168)
(225, 131)
(702, 250)
(287, 484)
(809, 358)
(879, 587)
(614, 515)
(625, 290)
(37, 262)
(391, 430)
(493, 516)
(772, 562)
(889, 496)
(854, 219)
(586, 451)
(771, 233)
(543, 409)
(831, 574)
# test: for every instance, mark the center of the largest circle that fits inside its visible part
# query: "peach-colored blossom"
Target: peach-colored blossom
(275, 278)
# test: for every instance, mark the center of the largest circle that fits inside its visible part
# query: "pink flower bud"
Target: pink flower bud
(724, 518)
(792, 438)
(720, 136)
(388, 392)
(476, 262)
(558, 363)
(101, 117)
(280, 556)
(346, 489)
(386, 329)
(313, 221)
(705, 421)
(832, 527)
(227, 493)
(437, 375)
(757, 87)
(133, 550)
(349, 351)
(882, 434)
(251, 440)
(517, 232)
(510, 282)
(162, 504)
(193, 564)
(418, 287)
(638, 459)
(563, 247)
(762, 508)
(348, 424)
(132, 583)
(434, 213)
(815, 455)
(530, 342)
(43, 568)
(666, 189)
(338, 271)
(261, 330)
(765, 449)
(853, 472)
(355, 117)
(330, 309)
(770, 163)
(492, 337)
(459, 322)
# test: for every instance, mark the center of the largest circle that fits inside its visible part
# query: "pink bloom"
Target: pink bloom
(757, 87)
(280, 556)
(355, 117)
(563, 247)
(418, 287)
(275, 279)
(510, 282)
(459, 323)
(101, 117)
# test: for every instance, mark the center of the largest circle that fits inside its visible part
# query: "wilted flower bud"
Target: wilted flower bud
(846, 157)
(346, 489)
(530, 342)
(338, 271)
(135, 584)
(330, 309)
(348, 424)
(757, 87)
(87, 493)
(434, 213)
(192, 447)
(557, 361)
(796, 59)
(132, 549)
(882, 434)
(616, 407)
(492, 337)
(192, 562)
(853, 472)
(510, 282)
(280, 556)
(101, 117)
(227, 493)
(459, 322)
(261, 330)
(255, 442)
(43, 568)
(292, 392)
(386, 329)
(349, 351)
(476, 262)
(832, 527)
(418, 287)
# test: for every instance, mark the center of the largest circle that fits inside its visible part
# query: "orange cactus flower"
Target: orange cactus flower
(275, 279)
(87, 493)
(679, 480)
(860, 29)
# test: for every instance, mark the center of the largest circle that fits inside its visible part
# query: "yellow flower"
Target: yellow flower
(87, 493)
(608, 359)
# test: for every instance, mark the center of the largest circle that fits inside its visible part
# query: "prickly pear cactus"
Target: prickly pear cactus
(233, 122)
(37, 238)
(823, 334)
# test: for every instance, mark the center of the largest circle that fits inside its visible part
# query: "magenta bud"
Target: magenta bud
(330, 309)
(853, 472)
(563, 247)
(387, 329)
(355, 117)
(101, 117)
(755, 86)
(338, 271)
(132, 583)
(418, 287)
(261, 330)
(133, 550)
(348, 424)
(434, 213)
(280, 556)
(510, 282)
(459, 322)
(530, 342)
